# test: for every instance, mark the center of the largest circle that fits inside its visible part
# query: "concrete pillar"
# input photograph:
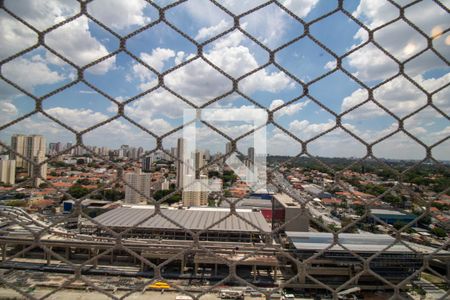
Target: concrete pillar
(448, 269)
(182, 266)
(49, 257)
(275, 273)
(195, 268)
(254, 272)
(4, 252)
(96, 259)
(215, 269)
(142, 266)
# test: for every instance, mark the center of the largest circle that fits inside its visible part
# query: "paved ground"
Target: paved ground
(83, 295)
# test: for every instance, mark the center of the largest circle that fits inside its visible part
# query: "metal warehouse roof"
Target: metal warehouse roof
(190, 219)
(390, 212)
(359, 242)
(354, 241)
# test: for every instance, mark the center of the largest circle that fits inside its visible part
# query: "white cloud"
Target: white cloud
(398, 95)
(198, 81)
(158, 57)
(290, 109)
(43, 14)
(78, 119)
(159, 102)
(208, 32)
(119, 14)
(29, 73)
(87, 47)
(370, 63)
(299, 7)
(266, 81)
(14, 36)
(305, 129)
(238, 7)
(8, 110)
(399, 39)
(375, 13)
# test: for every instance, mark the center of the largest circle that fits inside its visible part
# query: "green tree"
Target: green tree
(399, 224)
(158, 195)
(77, 191)
(438, 231)
(43, 185)
(16, 203)
(212, 174)
(84, 181)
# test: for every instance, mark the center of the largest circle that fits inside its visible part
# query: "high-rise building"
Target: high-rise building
(38, 172)
(181, 163)
(33, 148)
(18, 144)
(35, 151)
(141, 182)
(207, 155)
(132, 153)
(79, 151)
(173, 152)
(196, 193)
(147, 163)
(228, 151)
(199, 163)
(251, 156)
(7, 171)
(104, 151)
(140, 152)
(51, 149)
(228, 148)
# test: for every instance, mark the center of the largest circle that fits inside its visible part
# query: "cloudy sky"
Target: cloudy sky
(159, 110)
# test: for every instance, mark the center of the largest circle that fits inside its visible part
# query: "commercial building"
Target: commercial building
(391, 216)
(150, 226)
(262, 205)
(336, 264)
(289, 213)
(138, 187)
(157, 240)
(196, 191)
(7, 171)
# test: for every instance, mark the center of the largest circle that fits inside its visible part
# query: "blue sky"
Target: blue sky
(122, 77)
